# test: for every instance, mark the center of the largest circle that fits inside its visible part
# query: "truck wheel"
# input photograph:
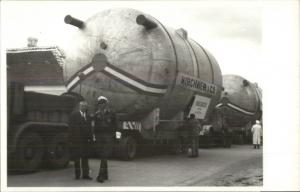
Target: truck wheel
(128, 148)
(57, 151)
(30, 152)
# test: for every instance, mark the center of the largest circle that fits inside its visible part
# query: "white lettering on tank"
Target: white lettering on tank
(132, 125)
(125, 125)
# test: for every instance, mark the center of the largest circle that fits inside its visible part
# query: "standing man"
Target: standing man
(193, 126)
(80, 136)
(256, 131)
(226, 133)
(105, 131)
(183, 138)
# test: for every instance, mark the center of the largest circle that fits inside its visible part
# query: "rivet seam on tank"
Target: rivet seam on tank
(235, 108)
(121, 76)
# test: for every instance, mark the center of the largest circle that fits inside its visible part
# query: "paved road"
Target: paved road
(208, 169)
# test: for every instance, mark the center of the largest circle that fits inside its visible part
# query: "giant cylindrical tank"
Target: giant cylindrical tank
(139, 64)
(241, 101)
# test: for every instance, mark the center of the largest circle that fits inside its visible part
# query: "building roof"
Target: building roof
(35, 65)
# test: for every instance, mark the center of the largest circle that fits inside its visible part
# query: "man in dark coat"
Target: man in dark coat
(183, 138)
(80, 138)
(105, 132)
(193, 125)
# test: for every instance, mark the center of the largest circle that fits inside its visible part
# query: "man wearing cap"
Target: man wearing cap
(256, 131)
(80, 136)
(105, 130)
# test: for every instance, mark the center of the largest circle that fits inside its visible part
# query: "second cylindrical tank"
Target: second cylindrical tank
(241, 101)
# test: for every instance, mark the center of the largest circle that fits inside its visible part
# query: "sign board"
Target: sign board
(196, 84)
(200, 106)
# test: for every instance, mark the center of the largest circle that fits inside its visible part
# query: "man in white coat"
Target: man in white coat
(256, 131)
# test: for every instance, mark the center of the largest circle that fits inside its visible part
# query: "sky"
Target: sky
(230, 30)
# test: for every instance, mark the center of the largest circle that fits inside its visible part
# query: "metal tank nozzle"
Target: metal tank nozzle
(73, 21)
(147, 23)
(245, 83)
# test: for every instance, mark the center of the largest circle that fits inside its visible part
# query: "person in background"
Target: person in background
(256, 131)
(226, 137)
(105, 127)
(193, 125)
(183, 138)
(80, 137)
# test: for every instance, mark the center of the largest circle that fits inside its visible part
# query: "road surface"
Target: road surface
(240, 165)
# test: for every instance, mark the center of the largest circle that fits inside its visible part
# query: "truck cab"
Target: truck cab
(37, 110)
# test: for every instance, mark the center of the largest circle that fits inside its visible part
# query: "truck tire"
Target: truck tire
(58, 151)
(127, 148)
(30, 151)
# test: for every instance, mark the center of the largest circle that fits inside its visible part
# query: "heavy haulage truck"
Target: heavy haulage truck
(37, 112)
(231, 121)
(153, 76)
(241, 105)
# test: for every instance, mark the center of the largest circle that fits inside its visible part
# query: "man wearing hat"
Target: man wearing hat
(256, 131)
(105, 130)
